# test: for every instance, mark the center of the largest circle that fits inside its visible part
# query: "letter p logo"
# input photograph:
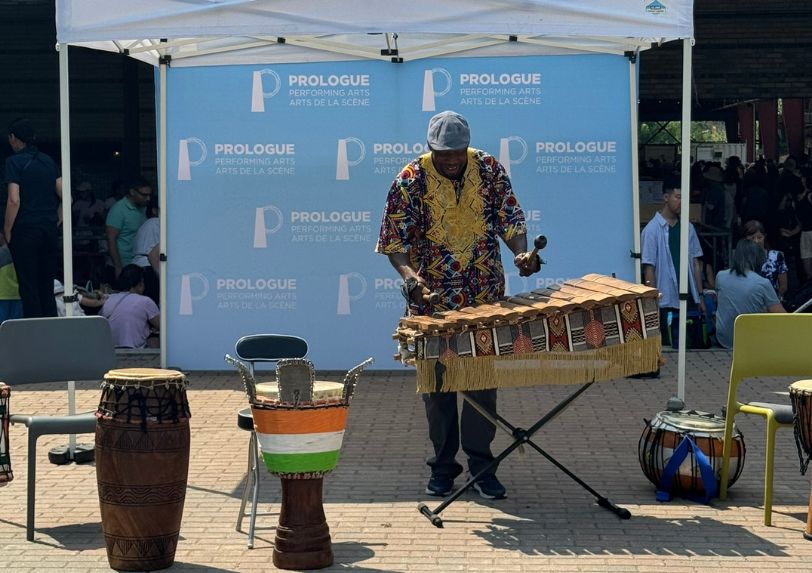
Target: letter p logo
(504, 152)
(429, 91)
(186, 295)
(258, 93)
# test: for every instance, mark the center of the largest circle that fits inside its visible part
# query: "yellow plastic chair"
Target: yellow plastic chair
(765, 345)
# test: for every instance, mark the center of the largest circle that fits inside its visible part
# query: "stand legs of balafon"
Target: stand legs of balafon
(520, 438)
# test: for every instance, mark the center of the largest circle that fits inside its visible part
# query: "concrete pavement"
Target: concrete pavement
(547, 523)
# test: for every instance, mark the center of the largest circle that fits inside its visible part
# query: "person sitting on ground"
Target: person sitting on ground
(132, 315)
(79, 305)
(741, 290)
(775, 267)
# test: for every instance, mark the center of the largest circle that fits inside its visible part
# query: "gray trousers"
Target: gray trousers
(445, 431)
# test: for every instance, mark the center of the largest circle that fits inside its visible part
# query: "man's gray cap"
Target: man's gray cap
(448, 130)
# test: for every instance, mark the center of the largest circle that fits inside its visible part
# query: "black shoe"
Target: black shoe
(490, 488)
(440, 485)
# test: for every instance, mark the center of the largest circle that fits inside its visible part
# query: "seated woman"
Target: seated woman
(741, 290)
(131, 314)
(774, 268)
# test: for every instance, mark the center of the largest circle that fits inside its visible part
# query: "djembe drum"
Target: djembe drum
(800, 394)
(666, 431)
(142, 464)
(300, 443)
(6, 474)
(300, 427)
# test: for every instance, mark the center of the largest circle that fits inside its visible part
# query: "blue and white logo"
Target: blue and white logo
(190, 294)
(185, 164)
(430, 91)
(656, 7)
(506, 158)
(347, 294)
(267, 221)
(343, 163)
(258, 93)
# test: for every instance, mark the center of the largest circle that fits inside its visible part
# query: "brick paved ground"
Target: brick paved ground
(547, 524)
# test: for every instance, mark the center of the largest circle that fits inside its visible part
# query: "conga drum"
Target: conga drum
(300, 443)
(664, 433)
(800, 394)
(142, 464)
(6, 474)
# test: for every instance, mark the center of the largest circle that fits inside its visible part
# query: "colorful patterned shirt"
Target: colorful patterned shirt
(774, 266)
(452, 234)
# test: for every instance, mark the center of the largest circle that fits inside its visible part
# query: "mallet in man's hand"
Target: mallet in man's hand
(538, 243)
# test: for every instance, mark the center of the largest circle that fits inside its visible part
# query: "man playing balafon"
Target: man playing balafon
(444, 215)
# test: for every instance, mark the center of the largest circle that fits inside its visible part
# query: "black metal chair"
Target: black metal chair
(36, 350)
(252, 350)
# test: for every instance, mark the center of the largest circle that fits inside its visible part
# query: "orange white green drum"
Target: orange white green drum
(301, 440)
(306, 440)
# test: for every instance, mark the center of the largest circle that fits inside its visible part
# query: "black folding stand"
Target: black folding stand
(520, 438)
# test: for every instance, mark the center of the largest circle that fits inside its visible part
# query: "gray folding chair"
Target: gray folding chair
(36, 350)
(251, 350)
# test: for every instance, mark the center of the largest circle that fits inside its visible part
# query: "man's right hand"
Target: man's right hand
(420, 293)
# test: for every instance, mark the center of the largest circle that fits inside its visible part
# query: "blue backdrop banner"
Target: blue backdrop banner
(278, 177)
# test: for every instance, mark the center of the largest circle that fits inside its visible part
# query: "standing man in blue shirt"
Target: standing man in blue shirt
(661, 258)
(30, 225)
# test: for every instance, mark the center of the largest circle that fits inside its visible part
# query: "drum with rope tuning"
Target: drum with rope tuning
(142, 465)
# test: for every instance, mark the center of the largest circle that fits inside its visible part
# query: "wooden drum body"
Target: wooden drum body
(142, 465)
(665, 432)
(300, 443)
(800, 394)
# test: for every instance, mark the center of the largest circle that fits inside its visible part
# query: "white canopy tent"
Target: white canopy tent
(220, 32)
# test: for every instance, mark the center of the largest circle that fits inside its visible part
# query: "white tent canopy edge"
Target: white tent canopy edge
(219, 32)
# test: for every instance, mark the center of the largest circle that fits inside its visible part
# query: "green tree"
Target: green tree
(670, 133)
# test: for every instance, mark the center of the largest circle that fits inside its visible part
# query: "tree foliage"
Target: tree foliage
(652, 132)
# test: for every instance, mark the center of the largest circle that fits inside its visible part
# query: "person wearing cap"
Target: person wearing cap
(30, 224)
(444, 216)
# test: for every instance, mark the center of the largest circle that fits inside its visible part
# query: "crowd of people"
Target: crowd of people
(124, 228)
(764, 209)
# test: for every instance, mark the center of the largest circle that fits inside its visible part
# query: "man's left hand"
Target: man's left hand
(526, 264)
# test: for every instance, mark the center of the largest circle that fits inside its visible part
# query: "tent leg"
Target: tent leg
(162, 192)
(635, 167)
(685, 176)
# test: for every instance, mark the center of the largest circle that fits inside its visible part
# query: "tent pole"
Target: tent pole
(67, 220)
(64, 140)
(162, 192)
(635, 167)
(685, 171)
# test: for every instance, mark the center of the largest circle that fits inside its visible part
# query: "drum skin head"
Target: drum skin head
(802, 386)
(143, 374)
(322, 390)
(698, 423)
